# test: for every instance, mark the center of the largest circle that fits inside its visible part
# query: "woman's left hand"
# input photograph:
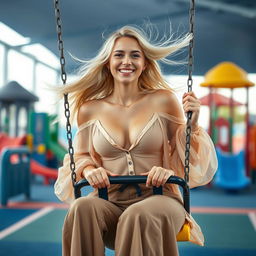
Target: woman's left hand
(157, 176)
(192, 103)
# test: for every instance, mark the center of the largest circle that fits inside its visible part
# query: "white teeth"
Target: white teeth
(126, 71)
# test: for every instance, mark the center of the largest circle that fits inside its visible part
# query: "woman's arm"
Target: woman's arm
(203, 159)
(82, 157)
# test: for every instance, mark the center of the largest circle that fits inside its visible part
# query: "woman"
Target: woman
(130, 123)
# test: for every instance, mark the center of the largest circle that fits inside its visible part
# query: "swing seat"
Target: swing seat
(184, 233)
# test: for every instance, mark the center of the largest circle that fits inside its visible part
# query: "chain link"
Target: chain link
(189, 84)
(64, 79)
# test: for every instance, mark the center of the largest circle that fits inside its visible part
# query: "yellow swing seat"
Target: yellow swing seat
(184, 234)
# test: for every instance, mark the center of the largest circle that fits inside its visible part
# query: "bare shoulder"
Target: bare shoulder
(167, 102)
(164, 95)
(88, 111)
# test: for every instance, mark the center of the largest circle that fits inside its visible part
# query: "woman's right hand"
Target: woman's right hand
(98, 177)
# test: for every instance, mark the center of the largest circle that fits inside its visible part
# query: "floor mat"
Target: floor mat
(225, 234)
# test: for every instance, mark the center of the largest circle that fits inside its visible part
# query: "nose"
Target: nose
(127, 60)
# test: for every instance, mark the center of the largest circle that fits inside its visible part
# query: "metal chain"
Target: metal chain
(189, 84)
(64, 78)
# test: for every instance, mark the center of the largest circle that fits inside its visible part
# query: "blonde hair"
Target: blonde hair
(97, 82)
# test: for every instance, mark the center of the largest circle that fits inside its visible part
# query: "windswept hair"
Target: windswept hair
(96, 81)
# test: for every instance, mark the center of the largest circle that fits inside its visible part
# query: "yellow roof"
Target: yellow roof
(226, 75)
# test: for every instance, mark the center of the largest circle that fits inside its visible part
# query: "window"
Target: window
(20, 69)
(45, 78)
(2, 52)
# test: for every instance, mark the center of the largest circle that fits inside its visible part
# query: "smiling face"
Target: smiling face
(126, 61)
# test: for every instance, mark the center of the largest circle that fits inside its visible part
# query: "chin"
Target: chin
(127, 81)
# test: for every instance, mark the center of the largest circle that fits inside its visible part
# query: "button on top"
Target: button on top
(130, 162)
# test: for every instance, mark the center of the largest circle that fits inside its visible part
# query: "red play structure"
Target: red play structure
(35, 167)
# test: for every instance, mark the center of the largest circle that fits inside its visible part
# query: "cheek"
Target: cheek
(113, 71)
(114, 65)
(142, 65)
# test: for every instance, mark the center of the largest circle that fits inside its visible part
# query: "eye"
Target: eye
(118, 55)
(135, 55)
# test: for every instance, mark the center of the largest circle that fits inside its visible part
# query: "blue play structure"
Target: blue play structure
(231, 171)
(14, 173)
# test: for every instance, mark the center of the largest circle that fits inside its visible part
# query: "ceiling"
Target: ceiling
(225, 30)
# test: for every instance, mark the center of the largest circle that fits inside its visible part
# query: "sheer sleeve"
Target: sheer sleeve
(83, 156)
(203, 159)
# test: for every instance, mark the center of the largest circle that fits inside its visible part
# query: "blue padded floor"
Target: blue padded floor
(11, 216)
(225, 234)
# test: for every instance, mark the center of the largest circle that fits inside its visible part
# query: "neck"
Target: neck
(125, 94)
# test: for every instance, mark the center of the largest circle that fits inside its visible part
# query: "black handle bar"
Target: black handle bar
(103, 192)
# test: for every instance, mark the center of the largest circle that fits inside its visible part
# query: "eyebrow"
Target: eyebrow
(134, 51)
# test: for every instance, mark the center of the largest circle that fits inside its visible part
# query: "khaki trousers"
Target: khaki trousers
(145, 228)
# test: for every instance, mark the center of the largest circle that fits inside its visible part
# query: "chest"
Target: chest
(125, 128)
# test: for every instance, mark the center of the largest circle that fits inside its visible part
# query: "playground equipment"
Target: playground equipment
(43, 139)
(16, 161)
(43, 143)
(252, 151)
(14, 96)
(14, 168)
(45, 149)
(221, 126)
(231, 171)
(36, 168)
(14, 173)
(222, 134)
(229, 75)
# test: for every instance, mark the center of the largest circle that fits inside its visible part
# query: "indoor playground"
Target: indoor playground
(40, 44)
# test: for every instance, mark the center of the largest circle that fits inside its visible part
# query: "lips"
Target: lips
(126, 71)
